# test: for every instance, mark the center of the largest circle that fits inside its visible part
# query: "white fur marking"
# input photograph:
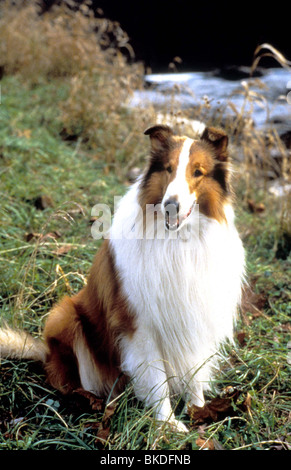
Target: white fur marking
(184, 301)
(179, 186)
(89, 374)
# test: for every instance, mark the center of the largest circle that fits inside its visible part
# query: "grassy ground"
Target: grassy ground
(48, 187)
(66, 143)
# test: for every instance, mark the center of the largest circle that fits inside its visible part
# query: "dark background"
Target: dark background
(204, 34)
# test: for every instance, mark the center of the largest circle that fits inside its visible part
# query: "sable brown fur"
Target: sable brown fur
(98, 316)
(98, 313)
(209, 155)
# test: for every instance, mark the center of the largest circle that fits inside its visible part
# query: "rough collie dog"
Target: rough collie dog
(163, 290)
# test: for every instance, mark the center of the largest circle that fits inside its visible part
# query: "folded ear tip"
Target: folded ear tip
(214, 134)
(218, 139)
(158, 128)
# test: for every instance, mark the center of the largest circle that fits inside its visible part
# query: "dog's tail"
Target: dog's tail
(21, 345)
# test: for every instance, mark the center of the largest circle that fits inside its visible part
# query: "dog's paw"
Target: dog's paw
(177, 426)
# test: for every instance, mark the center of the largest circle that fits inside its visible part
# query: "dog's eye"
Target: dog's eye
(197, 173)
(169, 169)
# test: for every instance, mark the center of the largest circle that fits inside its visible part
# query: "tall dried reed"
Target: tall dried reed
(89, 53)
(71, 43)
(61, 42)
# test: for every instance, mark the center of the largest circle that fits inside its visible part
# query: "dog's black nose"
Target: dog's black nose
(172, 205)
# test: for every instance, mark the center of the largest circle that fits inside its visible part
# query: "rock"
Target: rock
(236, 72)
(222, 86)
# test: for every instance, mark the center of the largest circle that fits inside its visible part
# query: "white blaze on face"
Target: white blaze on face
(179, 188)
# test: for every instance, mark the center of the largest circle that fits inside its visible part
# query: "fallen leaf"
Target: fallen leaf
(255, 207)
(97, 404)
(209, 444)
(251, 303)
(211, 411)
(241, 337)
(103, 433)
(104, 430)
(101, 427)
(43, 202)
(108, 413)
(63, 250)
(205, 444)
(220, 407)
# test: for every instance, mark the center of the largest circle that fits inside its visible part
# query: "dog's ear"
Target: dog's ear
(159, 136)
(218, 139)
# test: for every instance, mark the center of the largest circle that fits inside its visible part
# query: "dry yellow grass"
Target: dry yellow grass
(61, 42)
(86, 52)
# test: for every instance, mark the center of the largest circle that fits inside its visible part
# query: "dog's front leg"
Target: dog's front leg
(142, 361)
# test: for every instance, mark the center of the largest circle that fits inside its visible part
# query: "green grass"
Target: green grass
(35, 161)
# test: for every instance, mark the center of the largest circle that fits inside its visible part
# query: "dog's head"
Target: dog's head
(183, 172)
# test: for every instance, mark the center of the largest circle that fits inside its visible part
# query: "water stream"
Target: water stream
(270, 104)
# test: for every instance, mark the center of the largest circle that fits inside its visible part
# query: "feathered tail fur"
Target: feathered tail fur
(21, 345)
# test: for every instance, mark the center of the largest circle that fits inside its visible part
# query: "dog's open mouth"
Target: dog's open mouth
(174, 221)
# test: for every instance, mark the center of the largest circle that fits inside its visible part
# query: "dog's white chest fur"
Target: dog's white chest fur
(184, 296)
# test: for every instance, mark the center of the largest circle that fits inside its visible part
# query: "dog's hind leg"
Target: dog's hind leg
(73, 361)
